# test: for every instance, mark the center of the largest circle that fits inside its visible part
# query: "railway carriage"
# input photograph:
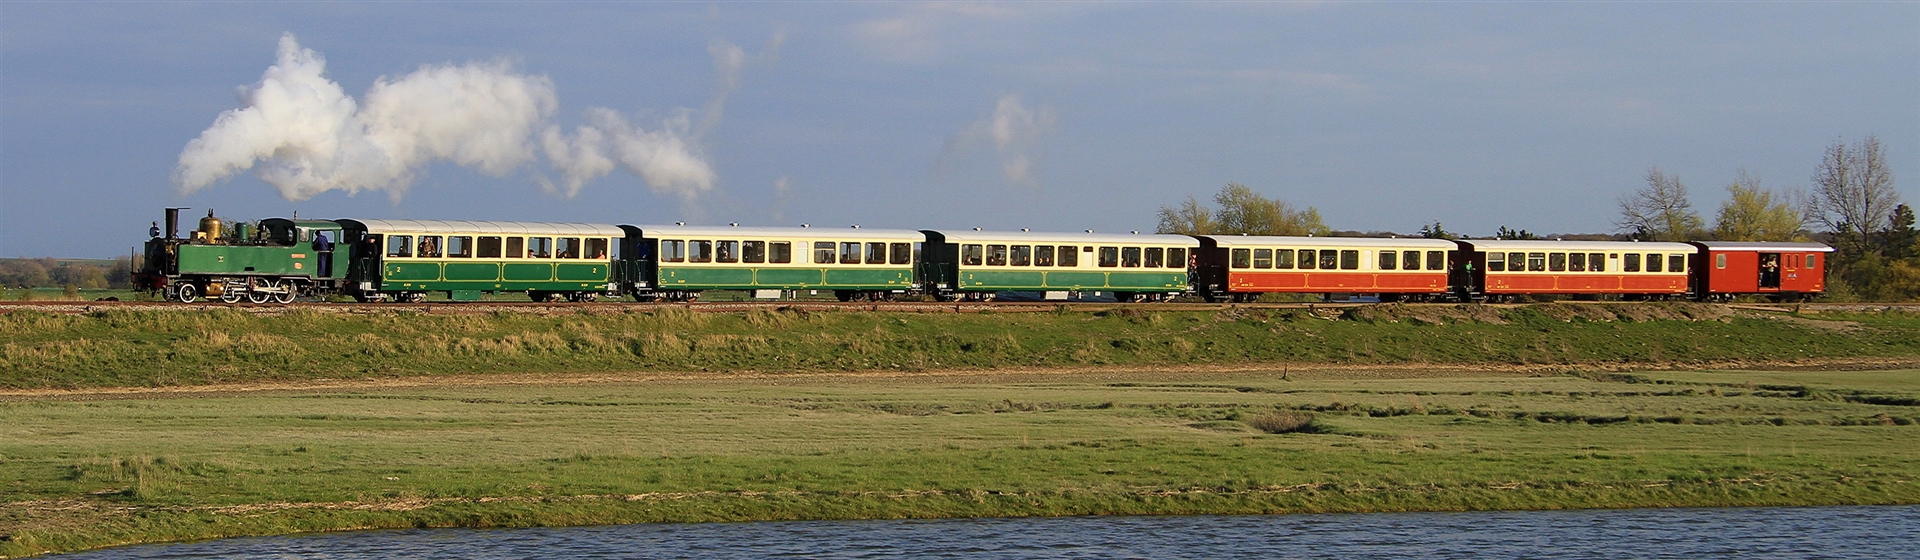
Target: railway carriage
(978, 264)
(1724, 270)
(403, 260)
(1500, 270)
(1240, 268)
(677, 262)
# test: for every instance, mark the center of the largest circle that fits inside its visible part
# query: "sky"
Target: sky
(1054, 116)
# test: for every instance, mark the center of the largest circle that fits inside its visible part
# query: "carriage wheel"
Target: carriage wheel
(416, 297)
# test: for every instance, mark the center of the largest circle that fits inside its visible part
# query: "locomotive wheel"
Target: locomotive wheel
(230, 296)
(286, 297)
(254, 295)
(187, 293)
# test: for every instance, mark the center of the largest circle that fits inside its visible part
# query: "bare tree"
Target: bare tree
(1853, 189)
(1659, 211)
(1753, 213)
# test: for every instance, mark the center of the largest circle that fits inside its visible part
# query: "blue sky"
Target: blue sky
(1051, 116)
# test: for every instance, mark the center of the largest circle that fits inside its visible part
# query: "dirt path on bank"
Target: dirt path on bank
(1006, 374)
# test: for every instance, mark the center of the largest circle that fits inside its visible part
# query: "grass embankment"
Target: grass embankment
(162, 348)
(93, 469)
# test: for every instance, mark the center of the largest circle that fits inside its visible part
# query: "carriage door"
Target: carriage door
(1770, 271)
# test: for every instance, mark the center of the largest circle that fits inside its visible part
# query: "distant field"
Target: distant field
(103, 467)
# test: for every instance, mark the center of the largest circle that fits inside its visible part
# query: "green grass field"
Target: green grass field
(93, 469)
(144, 426)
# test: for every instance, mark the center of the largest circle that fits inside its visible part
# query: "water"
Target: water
(1813, 532)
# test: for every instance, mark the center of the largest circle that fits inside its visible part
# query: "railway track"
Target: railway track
(814, 306)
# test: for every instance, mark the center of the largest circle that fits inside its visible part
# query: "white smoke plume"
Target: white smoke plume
(309, 136)
(1015, 132)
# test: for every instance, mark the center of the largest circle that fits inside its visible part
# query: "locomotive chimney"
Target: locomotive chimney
(173, 222)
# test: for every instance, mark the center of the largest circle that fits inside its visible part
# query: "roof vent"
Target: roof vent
(976, 229)
(1025, 229)
(734, 224)
(1089, 231)
(805, 225)
(679, 223)
(1136, 232)
(856, 226)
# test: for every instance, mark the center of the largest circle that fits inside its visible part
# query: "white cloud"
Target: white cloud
(1015, 133)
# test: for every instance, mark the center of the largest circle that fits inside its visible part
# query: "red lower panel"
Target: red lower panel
(1586, 284)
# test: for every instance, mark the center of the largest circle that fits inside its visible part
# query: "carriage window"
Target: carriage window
(849, 252)
(1676, 263)
(900, 253)
(699, 250)
(1557, 262)
(569, 247)
(1411, 260)
(1263, 258)
(399, 245)
(1069, 255)
(1283, 259)
(1043, 255)
(1597, 262)
(781, 252)
(1130, 257)
(1022, 255)
(1720, 260)
(1156, 257)
(1496, 262)
(597, 248)
(1653, 262)
(1329, 259)
(996, 255)
(1109, 256)
(673, 251)
(460, 246)
(1243, 258)
(516, 247)
(1516, 262)
(1436, 260)
(489, 247)
(970, 255)
(1177, 257)
(753, 251)
(726, 251)
(540, 247)
(1306, 258)
(1349, 260)
(1536, 262)
(1577, 262)
(429, 247)
(1389, 260)
(876, 253)
(1632, 263)
(823, 252)
(1810, 261)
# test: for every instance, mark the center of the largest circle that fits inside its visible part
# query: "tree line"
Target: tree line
(1851, 205)
(48, 273)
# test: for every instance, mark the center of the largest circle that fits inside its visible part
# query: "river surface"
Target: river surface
(1810, 532)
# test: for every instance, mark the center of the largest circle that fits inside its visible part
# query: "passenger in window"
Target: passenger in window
(1536, 262)
(726, 251)
(1557, 262)
(1109, 257)
(1329, 259)
(1576, 262)
(1597, 262)
(1411, 260)
(1130, 257)
(699, 251)
(970, 255)
(597, 248)
(1242, 258)
(569, 247)
(1022, 255)
(996, 255)
(1043, 255)
(1307, 258)
(399, 245)
(429, 246)
(753, 251)
(1155, 256)
(823, 252)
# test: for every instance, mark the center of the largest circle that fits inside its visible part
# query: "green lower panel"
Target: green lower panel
(1147, 280)
(529, 272)
(464, 295)
(412, 271)
(247, 259)
(484, 272)
(691, 278)
(1003, 280)
(789, 278)
(1076, 280)
(596, 272)
(869, 278)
